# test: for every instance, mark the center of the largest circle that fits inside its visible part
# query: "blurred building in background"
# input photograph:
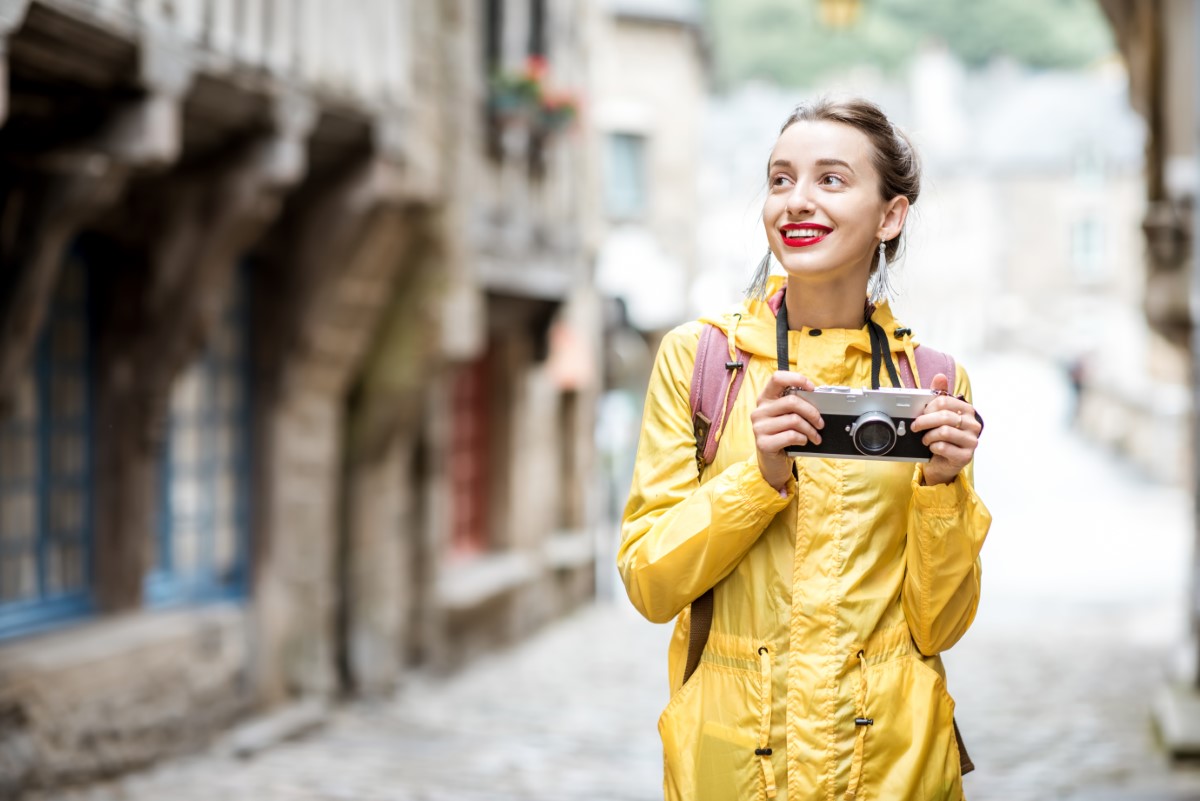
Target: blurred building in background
(647, 94)
(298, 357)
(650, 88)
(1037, 181)
(1160, 42)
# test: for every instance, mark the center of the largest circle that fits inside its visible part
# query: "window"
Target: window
(625, 179)
(45, 471)
(1089, 166)
(493, 36)
(199, 545)
(537, 27)
(1087, 251)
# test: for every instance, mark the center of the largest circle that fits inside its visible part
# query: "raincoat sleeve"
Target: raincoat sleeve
(947, 524)
(680, 537)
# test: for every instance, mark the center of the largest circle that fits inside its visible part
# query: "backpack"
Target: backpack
(715, 378)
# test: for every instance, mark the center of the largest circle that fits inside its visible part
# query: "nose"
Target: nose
(798, 200)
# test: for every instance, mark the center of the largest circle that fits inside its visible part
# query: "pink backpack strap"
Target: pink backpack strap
(711, 378)
(930, 362)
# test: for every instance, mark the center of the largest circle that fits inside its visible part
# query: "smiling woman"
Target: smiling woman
(812, 595)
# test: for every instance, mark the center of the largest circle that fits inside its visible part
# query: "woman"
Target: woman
(836, 582)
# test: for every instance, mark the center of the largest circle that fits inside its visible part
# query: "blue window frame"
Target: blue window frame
(200, 543)
(46, 471)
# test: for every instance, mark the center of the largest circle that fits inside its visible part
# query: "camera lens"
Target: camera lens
(874, 434)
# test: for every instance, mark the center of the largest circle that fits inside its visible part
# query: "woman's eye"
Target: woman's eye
(779, 180)
(833, 180)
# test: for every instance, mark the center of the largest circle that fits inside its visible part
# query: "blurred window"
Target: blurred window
(1087, 251)
(493, 35)
(1089, 166)
(537, 27)
(470, 437)
(45, 471)
(625, 176)
(199, 546)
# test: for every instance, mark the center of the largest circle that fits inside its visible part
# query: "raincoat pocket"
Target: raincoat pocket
(710, 730)
(909, 751)
(725, 764)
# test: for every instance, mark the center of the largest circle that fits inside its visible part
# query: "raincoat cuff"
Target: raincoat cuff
(758, 493)
(940, 496)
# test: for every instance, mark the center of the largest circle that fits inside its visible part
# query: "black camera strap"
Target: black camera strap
(880, 354)
(781, 335)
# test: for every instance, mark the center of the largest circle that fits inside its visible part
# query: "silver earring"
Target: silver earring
(758, 284)
(881, 288)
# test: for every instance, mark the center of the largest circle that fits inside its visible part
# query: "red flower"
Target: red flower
(536, 68)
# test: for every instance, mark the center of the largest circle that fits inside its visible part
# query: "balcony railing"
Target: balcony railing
(356, 49)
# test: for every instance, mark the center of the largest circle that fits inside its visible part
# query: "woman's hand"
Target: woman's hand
(781, 421)
(953, 433)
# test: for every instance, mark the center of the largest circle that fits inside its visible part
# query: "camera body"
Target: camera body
(870, 424)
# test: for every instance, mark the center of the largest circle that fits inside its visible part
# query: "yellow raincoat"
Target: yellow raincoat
(831, 604)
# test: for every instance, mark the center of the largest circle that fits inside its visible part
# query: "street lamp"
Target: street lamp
(839, 13)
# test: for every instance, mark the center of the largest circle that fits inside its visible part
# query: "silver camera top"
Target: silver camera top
(892, 401)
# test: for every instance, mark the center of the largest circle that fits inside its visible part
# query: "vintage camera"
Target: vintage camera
(867, 423)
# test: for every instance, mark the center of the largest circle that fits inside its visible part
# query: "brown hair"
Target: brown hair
(895, 157)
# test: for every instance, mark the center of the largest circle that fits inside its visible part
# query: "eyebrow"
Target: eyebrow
(818, 162)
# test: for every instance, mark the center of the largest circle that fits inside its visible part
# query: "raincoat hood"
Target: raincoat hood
(751, 326)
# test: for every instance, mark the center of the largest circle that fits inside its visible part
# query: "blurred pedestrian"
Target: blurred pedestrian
(835, 582)
(1077, 374)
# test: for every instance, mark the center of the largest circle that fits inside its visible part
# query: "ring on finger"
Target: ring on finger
(959, 423)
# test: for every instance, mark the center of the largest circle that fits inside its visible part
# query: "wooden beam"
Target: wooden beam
(207, 219)
(12, 14)
(48, 211)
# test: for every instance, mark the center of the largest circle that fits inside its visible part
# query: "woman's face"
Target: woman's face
(824, 216)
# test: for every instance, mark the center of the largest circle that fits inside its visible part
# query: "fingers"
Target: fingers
(789, 423)
(947, 410)
(952, 436)
(781, 380)
(775, 402)
(783, 420)
(951, 432)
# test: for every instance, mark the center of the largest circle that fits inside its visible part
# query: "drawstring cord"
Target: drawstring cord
(911, 353)
(763, 752)
(861, 721)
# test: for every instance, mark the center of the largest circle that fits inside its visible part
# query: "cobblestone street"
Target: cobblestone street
(1083, 583)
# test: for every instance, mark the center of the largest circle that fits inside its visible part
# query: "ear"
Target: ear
(894, 215)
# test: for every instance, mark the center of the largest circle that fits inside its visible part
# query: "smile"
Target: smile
(799, 236)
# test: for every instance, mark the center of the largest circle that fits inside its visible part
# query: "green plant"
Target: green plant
(524, 97)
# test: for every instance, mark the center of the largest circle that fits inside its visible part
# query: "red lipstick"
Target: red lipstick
(799, 235)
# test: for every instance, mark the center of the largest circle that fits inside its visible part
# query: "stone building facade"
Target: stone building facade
(1160, 43)
(297, 359)
(650, 87)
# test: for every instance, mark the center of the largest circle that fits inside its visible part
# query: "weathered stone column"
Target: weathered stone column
(382, 553)
(331, 269)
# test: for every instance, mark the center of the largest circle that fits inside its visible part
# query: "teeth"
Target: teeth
(802, 233)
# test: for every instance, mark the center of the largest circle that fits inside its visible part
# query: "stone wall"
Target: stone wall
(115, 695)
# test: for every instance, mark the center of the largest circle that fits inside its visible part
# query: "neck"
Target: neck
(825, 305)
